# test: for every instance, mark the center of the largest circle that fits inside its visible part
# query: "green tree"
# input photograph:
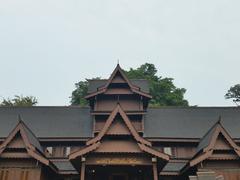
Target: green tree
(163, 91)
(80, 92)
(20, 101)
(234, 94)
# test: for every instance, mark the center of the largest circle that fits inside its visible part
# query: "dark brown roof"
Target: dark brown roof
(76, 122)
(189, 122)
(44, 122)
(206, 139)
(64, 165)
(173, 166)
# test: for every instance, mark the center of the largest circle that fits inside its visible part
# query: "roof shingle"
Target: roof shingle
(45, 122)
(189, 122)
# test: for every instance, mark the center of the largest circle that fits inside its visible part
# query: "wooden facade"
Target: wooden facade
(118, 138)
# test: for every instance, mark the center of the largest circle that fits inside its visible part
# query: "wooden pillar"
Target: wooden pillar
(155, 172)
(82, 175)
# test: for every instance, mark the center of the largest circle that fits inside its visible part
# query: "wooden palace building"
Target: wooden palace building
(118, 137)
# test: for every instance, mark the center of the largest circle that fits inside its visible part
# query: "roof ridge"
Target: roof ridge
(210, 129)
(140, 79)
(28, 107)
(195, 107)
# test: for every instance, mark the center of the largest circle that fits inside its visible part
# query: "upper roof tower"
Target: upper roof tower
(118, 89)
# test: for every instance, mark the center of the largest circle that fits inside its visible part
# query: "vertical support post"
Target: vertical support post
(82, 175)
(155, 172)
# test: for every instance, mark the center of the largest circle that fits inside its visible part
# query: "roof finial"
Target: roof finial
(118, 65)
(19, 118)
(219, 119)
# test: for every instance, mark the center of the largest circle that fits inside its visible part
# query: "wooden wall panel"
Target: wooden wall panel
(127, 103)
(17, 163)
(138, 125)
(17, 142)
(229, 169)
(184, 152)
(20, 174)
(217, 164)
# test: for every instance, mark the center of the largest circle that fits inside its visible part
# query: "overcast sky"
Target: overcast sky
(48, 45)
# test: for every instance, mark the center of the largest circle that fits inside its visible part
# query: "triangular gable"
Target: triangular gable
(31, 143)
(118, 70)
(118, 110)
(142, 144)
(16, 142)
(210, 142)
(118, 127)
(222, 143)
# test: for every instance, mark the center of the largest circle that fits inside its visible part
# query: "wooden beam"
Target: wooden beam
(155, 173)
(82, 175)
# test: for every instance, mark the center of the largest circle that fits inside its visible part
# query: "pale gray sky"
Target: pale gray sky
(48, 45)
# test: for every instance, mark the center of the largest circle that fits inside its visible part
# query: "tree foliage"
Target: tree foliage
(163, 90)
(234, 94)
(20, 101)
(80, 92)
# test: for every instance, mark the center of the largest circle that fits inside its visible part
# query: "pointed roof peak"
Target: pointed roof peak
(118, 64)
(31, 142)
(118, 106)
(22, 124)
(209, 136)
(207, 143)
(118, 110)
(136, 89)
(217, 124)
(23, 128)
(219, 120)
(19, 119)
(117, 68)
(94, 143)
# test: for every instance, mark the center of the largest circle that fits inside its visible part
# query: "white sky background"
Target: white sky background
(48, 45)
